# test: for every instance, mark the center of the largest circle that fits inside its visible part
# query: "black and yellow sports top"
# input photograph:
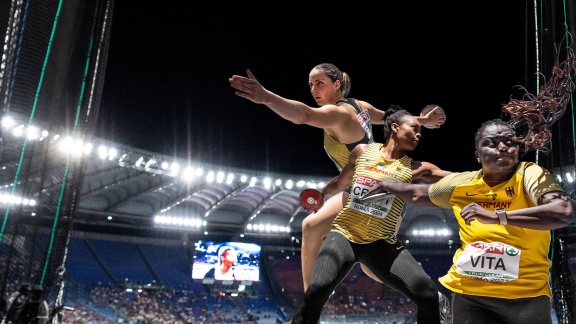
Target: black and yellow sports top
(339, 152)
(366, 222)
(500, 261)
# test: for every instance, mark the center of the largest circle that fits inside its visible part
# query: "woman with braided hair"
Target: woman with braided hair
(505, 212)
(345, 122)
(365, 233)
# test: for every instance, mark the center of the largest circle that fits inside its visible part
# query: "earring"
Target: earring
(478, 159)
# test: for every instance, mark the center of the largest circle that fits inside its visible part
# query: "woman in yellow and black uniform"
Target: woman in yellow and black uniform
(365, 232)
(505, 210)
(345, 122)
(501, 272)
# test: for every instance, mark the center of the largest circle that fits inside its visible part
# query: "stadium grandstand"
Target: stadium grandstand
(99, 232)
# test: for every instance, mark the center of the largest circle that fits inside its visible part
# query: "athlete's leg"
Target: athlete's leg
(471, 309)
(367, 270)
(335, 259)
(369, 273)
(314, 228)
(396, 267)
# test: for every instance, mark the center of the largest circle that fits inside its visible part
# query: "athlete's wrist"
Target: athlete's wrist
(502, 216)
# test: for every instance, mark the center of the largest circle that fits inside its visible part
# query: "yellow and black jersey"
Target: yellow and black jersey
(366, 222)
(499, 261)
(340, 152)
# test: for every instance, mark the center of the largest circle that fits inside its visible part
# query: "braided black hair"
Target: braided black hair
(393, 115)
(533, 115)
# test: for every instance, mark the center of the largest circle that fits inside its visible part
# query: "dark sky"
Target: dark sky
(166, 88)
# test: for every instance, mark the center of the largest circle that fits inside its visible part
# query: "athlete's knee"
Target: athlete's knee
(317, 294)
(427, 290)
(307, 224)
(311, 226)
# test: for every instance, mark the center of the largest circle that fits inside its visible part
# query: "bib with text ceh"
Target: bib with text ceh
(495, 262)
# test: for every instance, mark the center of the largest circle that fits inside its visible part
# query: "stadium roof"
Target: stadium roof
(126, 190)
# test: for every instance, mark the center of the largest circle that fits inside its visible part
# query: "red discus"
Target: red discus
(311, 199)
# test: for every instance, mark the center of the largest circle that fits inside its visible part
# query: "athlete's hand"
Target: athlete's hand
(311, 199)
(432, 116)
(474, 211)
(249, 88)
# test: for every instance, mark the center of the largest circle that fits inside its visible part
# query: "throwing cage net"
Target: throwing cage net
(554, 27)
(51, 77)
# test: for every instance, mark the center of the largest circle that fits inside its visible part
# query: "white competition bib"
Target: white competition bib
(379, 208)
(364, 119)
(495, 262)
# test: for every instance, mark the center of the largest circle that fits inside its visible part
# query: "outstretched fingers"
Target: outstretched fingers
(250, 74)
(245, 86)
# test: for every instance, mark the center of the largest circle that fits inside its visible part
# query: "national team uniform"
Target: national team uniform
(362, 222)
(499, 261)
(365, 232)
(340, 152)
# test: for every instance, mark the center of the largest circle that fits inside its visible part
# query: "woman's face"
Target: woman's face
(229, 257)
(408, 133)
(322, 88)
(497, 149)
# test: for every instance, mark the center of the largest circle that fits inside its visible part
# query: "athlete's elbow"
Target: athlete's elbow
(567, 217)
(564, 212)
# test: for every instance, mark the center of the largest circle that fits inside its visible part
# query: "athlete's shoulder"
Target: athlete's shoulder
(374, 146)
(537, 180)
(360, 149)
(365, 105)
(365, 148)
(336, 106)
(533, 173)
(530, 168)
(350, 103)
(457, 178)
(361, 103)
(440, 193)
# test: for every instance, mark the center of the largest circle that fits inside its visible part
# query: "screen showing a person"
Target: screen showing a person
(226, 261)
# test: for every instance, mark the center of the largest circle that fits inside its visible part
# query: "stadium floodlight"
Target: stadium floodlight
(267, 182)
(189, 174)
(174, 169)
(8, 122)
(220, 177)
(210, 177)
(32, 133)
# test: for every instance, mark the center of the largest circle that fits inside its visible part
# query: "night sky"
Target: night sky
(166, 88)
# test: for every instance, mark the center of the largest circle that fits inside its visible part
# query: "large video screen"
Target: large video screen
(226, 261)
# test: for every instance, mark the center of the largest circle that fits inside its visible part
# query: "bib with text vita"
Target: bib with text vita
(378, 208)
(495, 262)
